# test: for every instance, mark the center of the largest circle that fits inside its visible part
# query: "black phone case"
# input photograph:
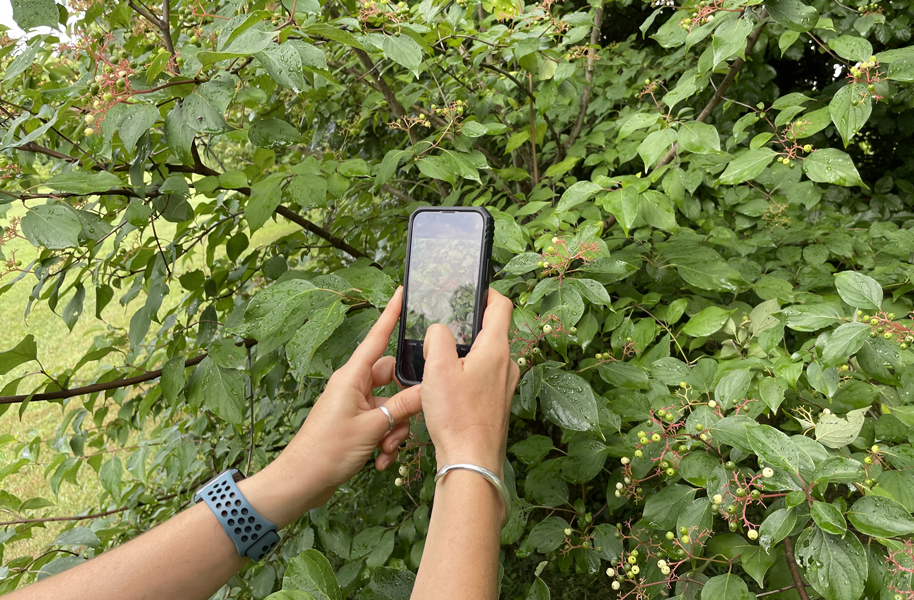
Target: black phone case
(482, 288)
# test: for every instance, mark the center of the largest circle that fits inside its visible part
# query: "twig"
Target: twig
(536, 169)
(588, 76)
(772, 592)
(794, 569)
(722, 88)
(529, 93)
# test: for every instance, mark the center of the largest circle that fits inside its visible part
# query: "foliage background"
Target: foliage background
(703, 214)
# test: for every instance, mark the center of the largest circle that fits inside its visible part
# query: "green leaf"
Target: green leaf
(849, 110)
(880, 517)
(265, 197)
(859, 290)
(733, 387)
(80, 182)
(52, 226)
(902, 70)
(74, 307)
(726, 587)
(25, 59)
(706, 322)
(729, 40)
(844, 342)
(173, 379)
(311, 572)
(662, 508)
(283, 63)
(538, 591)
(828, 517)
(404, 51)
(585, 461)
(793, 14)
(812, 317)
(776, 527)
(273, 133)
(830, 165)
(577, 193)
(178, 135)
(655, 145)
(835, 432)
(221, 390)
(29, 14)
(533, 449)
(838, 469)
(137, 120)
(110, 476)
(568, 401)
(204, 109)
(523, 263)
(78, 536)
(852, 48)
(548, 534)
(775, 448)
(23, 352)
(697, 137)
(309, 191)
(824, 380)
(390, 584)
(320, 326)
(746, 166)
(835, 566)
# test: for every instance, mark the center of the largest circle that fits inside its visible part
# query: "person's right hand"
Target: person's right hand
(467, 401)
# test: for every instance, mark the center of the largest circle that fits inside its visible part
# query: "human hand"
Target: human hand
(467, 401)
(345, 425)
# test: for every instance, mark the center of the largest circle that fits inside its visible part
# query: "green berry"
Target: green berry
(670, 535)
(731, 508)
(699, 427)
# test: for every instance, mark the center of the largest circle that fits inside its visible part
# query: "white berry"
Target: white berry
(767, 472)
(398, 482)
(616, 585)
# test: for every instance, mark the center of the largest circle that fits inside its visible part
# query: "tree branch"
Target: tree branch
(722, 88)
(33, 147)
(588, 75)
(108, 385)
(321, 232)
(165, 26)
(794, 569)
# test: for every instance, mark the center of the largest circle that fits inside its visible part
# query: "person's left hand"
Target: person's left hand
(345, 425)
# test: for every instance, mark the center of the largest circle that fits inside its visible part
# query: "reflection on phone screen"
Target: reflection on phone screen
(443, 273)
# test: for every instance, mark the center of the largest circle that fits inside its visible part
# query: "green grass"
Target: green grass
(59, 348)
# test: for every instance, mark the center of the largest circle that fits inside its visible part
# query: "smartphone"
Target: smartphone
(448, 258)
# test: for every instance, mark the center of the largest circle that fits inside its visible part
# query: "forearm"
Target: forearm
(188, 557)
(460, 559)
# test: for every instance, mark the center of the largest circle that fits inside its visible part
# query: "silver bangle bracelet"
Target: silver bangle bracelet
(488, 475)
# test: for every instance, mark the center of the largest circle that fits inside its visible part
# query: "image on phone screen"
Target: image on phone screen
(442, 278)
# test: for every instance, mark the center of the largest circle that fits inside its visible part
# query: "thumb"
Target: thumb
(402, 406)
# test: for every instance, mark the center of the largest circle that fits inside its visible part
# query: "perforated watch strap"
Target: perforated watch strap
(253, 535)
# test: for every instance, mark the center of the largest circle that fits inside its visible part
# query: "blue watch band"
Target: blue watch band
(252, 535)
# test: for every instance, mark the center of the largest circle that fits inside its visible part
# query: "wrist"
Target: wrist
(282, 496)
(487, 460)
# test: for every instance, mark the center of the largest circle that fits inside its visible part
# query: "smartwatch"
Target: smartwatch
(253, 535)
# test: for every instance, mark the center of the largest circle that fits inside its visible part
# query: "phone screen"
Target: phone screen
(441, 281)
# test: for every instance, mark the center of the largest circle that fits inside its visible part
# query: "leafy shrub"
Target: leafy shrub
(703, 215)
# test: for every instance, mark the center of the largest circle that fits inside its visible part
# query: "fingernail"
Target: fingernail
(383, 464)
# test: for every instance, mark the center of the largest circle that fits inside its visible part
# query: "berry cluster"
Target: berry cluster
(884, 325)
(377, 13)
(866, 73)
(9, 170)
(703, 14)
(868, 9)
(901, 564)
(558, 258)
(549, 325)
(12, 264)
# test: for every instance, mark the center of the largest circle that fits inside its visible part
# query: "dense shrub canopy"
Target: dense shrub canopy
(703, 216)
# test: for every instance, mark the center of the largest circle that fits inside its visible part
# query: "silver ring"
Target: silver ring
(390, 417)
